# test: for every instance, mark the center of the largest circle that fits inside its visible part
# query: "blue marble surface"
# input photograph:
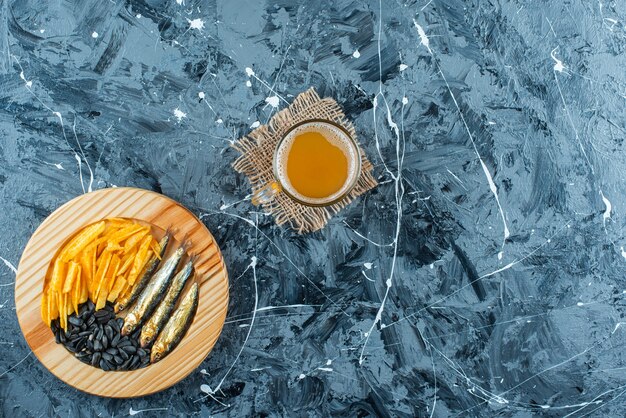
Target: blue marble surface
(484, 276)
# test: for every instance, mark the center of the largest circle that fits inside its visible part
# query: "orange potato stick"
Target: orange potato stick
(112, 272)
(103, 288)
(53, 306)
(68, 304)
(71, 276)
(102, 300)
(78, 287)
(127, 261)
(59, 271)
(114, 247)
(85, 264)
(101, 248)
(45, 310)
(120, 283)
(103, 266)
(62, 314)
(156, 248)
(94, 266)
(118, 222)
(84, 290)
(81, 240)
(124, 233)
(127, 287)
(140, 259)
(135, 238)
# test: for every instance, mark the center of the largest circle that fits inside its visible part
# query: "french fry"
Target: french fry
(72, 270)
(80, 241)
(59, 271)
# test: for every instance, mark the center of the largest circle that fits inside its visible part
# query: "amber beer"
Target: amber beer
(316, 163)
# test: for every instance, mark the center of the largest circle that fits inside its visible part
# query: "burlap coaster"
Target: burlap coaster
(256, 159)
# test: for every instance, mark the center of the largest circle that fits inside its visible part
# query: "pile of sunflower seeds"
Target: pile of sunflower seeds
(94, 338)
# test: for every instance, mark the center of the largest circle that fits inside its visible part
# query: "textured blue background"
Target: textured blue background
(483, 277)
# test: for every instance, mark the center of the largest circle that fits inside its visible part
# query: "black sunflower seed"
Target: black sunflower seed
(101, 313)
(91, 320)
(124, 354)
(135, 362)
(115, 340)
(130, 349)
(126, 364)
(107, 356)
(84, 333)
(118, 360)
(108, 331)
(75, 321)
(104, 365)
(95, 359)
(97, 345)
(115, 326)
(112, 351)
(105, 341)
(124, 341)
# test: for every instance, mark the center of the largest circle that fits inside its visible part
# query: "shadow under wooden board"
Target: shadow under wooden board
(162, 213)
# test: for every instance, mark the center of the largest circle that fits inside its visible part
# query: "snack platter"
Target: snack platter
(85, 286)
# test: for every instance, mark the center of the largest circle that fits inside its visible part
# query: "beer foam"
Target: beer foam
(336, 137)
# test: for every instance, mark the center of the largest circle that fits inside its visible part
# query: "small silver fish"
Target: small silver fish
(152, 294)
(144, 277)
(176, 327)
(151, 329)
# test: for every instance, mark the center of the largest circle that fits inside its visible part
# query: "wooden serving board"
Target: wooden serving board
(163, 213)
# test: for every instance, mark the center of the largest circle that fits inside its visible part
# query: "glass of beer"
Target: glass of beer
(316, 163)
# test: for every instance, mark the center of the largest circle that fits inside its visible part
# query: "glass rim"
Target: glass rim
(357, 170)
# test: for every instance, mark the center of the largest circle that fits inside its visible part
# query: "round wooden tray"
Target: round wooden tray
(162, 212)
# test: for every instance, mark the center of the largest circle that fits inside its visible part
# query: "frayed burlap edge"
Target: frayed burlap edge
(256, 159)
